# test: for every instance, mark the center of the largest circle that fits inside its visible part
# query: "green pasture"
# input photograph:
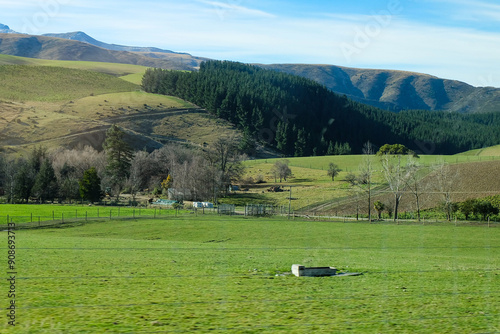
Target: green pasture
(107, 68)
(311, 184)
(230, 275)
(50, 84)
(41, 212)
(482, 152)
(351, 163)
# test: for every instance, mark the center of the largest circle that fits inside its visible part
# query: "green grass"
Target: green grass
(50, 84)
(31, 213)
(312, 185)
(102, 67)
(484, 152)
(218, 274)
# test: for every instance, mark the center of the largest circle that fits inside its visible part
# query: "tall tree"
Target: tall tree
(223, 156)
(45, 186)
(413, 181)
(445, 177)
(90, 186)
(24, 181)
(363, 181)
(396, 176)
(119, 155)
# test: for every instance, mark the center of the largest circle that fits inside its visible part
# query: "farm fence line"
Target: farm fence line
(34, 220)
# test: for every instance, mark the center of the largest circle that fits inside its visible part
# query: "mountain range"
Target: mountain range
(386, 89)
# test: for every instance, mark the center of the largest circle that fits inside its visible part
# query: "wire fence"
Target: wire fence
(56, 217)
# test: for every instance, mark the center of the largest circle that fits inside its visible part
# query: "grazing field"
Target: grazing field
(229, 275)
(115, 69)
(51, 84)
(312, 186)
(487, 151)
(41, 212)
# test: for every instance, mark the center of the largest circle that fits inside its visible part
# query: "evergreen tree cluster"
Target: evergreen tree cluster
(300, 117)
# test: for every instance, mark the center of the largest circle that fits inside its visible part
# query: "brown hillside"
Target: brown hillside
(62, 49)
(398, 90)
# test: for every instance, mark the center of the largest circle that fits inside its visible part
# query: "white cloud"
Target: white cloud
(221, 8)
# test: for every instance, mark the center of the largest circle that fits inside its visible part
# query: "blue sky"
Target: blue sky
(454, 39)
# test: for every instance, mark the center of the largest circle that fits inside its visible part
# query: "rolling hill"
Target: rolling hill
(386, 89)
(83, 37)
(398, 90)
(53, 48)
(55, 106)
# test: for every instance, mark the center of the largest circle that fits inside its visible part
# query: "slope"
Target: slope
(131, 73)
(398, 90)
(55, 106)
(63, 49)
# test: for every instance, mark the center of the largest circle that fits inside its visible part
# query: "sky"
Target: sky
(452, 39)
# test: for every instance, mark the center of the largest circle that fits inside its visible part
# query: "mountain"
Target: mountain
(83, 37)
(398, 90)
(53, 48)
(300, 117)
(4, 29)
(387, 89)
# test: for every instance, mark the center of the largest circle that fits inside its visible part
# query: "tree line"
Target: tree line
(88, 174)
(300, 117)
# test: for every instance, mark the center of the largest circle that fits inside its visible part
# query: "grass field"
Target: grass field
(115, 69)
(482, 152)
(50, 84)
(311, 184)
(35, 212)
(222, 275)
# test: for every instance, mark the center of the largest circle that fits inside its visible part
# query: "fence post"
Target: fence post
(62, 217)
(53, 215)
(32, 217)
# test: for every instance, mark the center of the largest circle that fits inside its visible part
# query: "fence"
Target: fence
(82, 215)
(264, 209)
(226, 209)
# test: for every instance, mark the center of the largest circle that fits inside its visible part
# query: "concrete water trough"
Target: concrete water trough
(303, 271)
(299, 270)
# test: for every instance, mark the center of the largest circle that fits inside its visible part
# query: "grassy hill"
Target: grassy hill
(313, 190)
(128, 72)
(44, 47)
(484, 152)
(71, 103)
